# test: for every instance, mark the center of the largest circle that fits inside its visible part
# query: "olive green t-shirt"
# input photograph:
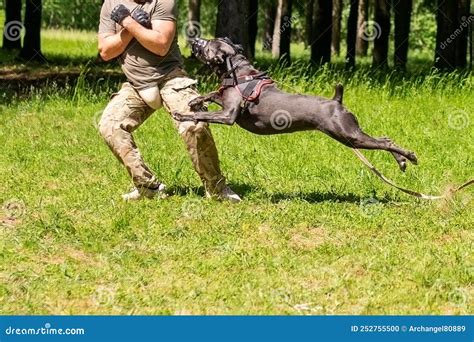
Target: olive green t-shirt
(143, 68)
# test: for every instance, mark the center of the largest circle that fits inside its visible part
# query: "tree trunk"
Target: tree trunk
(382, 33)
(31, 50)
(231, 14)
(362, 45)
(193, 26)
(13, 25)
(352, 30)
(464, 24)
(309, 21)
(336, 28)
(194, 12)
(403, 11)
(322, 32)
(270, 13)
(451, 38)
(471, 44)
(282, 31)
(253, 25)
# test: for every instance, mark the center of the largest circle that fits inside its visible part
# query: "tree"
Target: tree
(362, 45)
(403, 11)
(336, 27)
(269, 26)
(252, 25)
(231, 14)
(382, 32)
(451, 38)
(461, 47)
(194, 11)
(13, 26)
(309, 20)
(282, 31)
(321, 32)
(193, 26)
(31, 50)
(352, 31)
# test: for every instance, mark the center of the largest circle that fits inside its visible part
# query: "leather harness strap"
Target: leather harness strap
(408, 191)
(250, 86)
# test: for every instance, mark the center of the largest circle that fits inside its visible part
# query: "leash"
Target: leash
(372, 168)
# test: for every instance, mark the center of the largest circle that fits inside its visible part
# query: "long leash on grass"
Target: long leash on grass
(407, 191)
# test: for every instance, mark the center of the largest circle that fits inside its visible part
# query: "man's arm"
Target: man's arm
(157, 40)
(112, 45)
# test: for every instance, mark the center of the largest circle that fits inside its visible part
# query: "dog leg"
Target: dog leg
(224, 117)
(198, 102)
(364, 141)
(344, 128)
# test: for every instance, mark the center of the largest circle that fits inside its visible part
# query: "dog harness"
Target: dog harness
(249, 86)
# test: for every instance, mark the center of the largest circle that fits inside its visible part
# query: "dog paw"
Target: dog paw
(403, 166)
(177, 116)
(181, 118)
(198, 102)
(413, 158)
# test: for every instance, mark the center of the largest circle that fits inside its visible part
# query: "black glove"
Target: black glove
(119, 13)
(142, 17)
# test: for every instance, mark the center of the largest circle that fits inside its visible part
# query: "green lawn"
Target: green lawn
(316, 233)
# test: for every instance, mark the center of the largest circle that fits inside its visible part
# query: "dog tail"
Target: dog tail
(339, 93)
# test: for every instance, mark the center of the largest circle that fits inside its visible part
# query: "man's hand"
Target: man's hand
(142, 17)
(119, 13)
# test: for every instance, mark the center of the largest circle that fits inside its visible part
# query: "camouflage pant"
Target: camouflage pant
(127, 111)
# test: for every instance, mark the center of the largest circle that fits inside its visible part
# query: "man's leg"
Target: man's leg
(176, 94)
(123, 115)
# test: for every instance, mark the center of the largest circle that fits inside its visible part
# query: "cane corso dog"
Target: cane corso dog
(251, 99)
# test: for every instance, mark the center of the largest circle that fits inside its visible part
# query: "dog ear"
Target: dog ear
(238, 48)
(228, 40)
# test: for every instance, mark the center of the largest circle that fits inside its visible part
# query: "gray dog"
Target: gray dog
(250, 99)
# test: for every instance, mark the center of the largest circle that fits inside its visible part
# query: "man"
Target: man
(143, 35)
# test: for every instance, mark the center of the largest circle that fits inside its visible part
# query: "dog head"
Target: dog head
(214, 52)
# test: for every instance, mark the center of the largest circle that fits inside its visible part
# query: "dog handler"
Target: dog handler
(143, 35)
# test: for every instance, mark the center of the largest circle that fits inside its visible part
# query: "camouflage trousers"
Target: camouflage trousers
(127, 111)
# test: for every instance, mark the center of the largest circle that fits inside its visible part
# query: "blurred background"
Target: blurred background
(383, 33)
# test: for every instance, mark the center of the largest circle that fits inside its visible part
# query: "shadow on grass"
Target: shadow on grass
(246, 190)
(320, 197)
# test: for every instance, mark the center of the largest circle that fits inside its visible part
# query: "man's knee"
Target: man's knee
(190, 128)
(106, 127)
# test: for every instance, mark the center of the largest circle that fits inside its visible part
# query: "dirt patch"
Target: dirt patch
(309, 238)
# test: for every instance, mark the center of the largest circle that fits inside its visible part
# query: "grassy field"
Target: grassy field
(316, 233)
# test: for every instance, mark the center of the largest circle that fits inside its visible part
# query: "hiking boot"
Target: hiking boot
(143, 192)
(226, 194)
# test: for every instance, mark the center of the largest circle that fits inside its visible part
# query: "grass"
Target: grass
(316, 233)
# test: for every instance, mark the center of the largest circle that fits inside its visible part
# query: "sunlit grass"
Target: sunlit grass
(316, 233)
